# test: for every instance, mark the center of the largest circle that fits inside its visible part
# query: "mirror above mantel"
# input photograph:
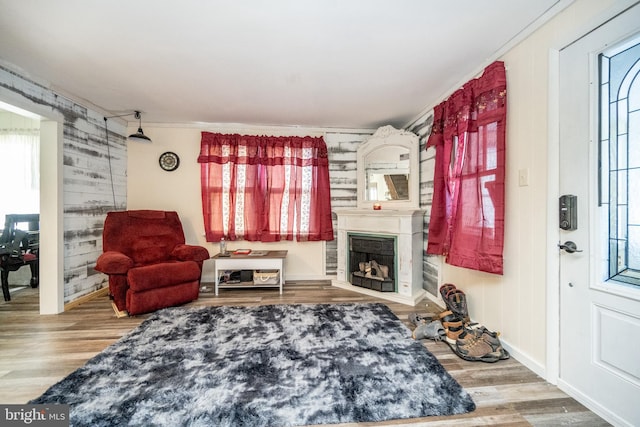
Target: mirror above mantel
(388, 170)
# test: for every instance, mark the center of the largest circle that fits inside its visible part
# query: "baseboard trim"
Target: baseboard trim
(85, 298)
(523, 358)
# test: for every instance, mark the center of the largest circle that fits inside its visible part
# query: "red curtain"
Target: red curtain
(467, 212)
(267, 189)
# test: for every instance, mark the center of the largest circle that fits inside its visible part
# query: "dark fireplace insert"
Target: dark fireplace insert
(372, 262)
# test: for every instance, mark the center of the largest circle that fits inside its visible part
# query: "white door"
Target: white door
(599, 312)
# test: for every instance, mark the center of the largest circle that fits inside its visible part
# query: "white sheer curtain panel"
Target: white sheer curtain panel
(19, 172)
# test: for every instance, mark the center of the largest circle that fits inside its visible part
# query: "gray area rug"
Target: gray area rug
(278, 365)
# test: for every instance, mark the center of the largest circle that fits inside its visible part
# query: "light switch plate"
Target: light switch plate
(523, 177)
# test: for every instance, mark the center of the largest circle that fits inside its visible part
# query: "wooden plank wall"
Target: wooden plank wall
(430, 264)
(342, 150)
(88, 167)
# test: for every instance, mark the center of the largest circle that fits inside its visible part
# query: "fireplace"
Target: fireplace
(380, 243)
(391, 238)
(372, 262)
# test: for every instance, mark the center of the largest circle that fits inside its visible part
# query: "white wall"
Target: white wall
(517, 302)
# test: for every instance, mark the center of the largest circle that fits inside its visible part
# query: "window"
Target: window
(20, 171)
(619, 119)
(467, 211)
(265, 189)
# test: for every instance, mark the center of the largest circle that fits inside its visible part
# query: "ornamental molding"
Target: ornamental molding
(388, 130)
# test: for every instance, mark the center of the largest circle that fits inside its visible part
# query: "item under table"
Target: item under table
(272, 260)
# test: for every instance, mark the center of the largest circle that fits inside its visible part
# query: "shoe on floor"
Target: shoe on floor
(444, 289)
(490, 338)
(453, 325)
(475, 349)
(464, 342)
(456, 301)
(432, 330)
(417, 319)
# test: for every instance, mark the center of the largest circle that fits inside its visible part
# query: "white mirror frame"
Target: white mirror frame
(388, 136)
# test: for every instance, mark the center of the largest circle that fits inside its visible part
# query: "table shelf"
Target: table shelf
(241, 285)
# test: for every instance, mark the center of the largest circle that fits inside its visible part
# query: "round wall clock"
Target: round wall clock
(169, 161)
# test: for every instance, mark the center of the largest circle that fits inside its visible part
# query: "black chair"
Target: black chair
(19, 247)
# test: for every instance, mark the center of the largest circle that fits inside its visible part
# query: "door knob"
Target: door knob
(569, 246)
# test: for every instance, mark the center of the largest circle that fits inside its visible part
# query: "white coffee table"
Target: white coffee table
(271, 260)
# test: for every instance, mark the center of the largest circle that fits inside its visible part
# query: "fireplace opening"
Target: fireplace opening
(372, 262)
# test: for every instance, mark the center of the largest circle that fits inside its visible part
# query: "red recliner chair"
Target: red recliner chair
(148, 263)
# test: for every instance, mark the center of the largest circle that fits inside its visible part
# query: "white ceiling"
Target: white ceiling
(320, 63)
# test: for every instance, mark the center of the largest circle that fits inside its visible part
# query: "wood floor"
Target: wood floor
(37, 351)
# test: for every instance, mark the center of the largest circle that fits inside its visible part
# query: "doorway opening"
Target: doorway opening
(20, 170)
(51, 246)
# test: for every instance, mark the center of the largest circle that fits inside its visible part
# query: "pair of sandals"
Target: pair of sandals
(470, 341)
(432, 327)
(455, 300)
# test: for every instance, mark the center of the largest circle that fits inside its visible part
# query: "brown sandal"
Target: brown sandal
(444, 289)
(456, 301)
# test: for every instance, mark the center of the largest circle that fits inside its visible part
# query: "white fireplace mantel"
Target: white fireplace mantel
(406, 226)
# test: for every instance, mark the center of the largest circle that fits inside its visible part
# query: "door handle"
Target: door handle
(569, 246)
